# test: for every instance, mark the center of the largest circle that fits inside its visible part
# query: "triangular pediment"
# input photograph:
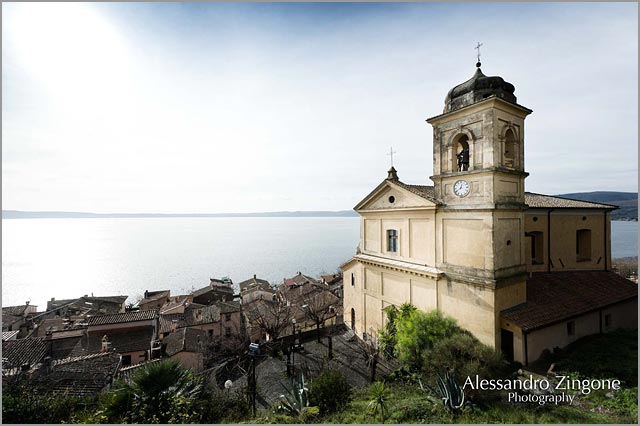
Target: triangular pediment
(391, 195)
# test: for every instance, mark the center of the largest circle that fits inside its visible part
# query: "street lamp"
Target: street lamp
(254, 350)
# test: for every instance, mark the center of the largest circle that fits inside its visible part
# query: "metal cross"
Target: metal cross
(391, 152)
(478, 49)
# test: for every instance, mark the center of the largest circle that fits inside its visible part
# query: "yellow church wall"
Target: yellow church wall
(416, 235)
(509, 232)
(353, 296)
(373, 314)
(396, 289)
(472, 306)
(376, 288)
(371, 235)
(556, 335)
(465, 240)
(372, 280)
(424, 294)
(564, 226)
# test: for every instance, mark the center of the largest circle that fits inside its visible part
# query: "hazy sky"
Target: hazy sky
(177, 107)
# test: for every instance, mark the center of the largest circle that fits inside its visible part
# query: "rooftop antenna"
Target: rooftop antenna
(478, 49)
(391, 152)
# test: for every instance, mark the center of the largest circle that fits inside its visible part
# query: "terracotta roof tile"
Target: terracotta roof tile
(78, 376)
(534, 200)
(557, 296)
(187, 340)
(30, 350)
(121, 318)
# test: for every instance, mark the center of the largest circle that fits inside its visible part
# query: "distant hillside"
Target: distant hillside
(17, 214)
(627, 201)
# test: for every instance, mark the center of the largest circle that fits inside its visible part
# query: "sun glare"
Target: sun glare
(66, 47)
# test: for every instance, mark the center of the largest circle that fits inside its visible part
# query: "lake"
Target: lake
(66, 258)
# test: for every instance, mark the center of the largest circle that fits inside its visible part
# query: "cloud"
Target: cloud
(209, 107)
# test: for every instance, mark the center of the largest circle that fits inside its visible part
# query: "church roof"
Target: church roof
(558, 296)
(478, 88)
(534, 200)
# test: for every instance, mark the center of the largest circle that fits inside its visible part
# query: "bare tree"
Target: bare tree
(320, 306)
(370, 351)
(270, 316)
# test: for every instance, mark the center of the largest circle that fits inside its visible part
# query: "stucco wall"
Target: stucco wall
(564, 225)
(416, 235)
(191, 360)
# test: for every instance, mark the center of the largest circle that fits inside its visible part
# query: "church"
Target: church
(523, 272)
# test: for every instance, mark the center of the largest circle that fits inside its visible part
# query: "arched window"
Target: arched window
(353, 319)
(510, 149)
(583, 245)
(461, 149)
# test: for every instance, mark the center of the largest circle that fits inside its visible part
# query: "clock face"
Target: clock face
(461, 188)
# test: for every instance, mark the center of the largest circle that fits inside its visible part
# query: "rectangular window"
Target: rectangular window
(583, 245)
(607, 320)
(392, 240)
(227, 317)
(537, 245)
(571, 328)
(126, 360)
(353, 280)
(210, 333)
(227, 331)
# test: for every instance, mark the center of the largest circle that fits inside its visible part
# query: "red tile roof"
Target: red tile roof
(121, 318)
(557, 296)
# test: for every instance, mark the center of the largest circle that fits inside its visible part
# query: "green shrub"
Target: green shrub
(22, 403)
(418, 332)
(330, 391)
(464, 354)
(229, 407)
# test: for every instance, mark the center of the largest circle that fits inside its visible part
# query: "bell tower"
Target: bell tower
(478, 165)
(478, 146)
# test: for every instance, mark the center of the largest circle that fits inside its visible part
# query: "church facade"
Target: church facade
(480, 249)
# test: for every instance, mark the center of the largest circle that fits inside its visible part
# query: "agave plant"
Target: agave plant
(295, 400)
(448, 391)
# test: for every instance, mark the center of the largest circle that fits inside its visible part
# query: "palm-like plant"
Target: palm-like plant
(161, 392)
(378, 402)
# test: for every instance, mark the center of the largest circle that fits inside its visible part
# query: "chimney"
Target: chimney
(106, 345)
(174, 325)
(254, 276)
(53, 299)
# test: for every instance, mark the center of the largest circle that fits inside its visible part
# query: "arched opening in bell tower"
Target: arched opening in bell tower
(461, 149)
(510, 148)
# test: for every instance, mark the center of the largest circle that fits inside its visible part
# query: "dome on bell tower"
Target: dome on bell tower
(477, 88)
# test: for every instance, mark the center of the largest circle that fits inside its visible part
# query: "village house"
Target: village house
(478, 248)
(80, 376)
(85, 305)
(154, 299)
(188, 346)
(255, 288)
(21, 355)
(301, 303)
(217, 290)
(18, 318)
(133, 335)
